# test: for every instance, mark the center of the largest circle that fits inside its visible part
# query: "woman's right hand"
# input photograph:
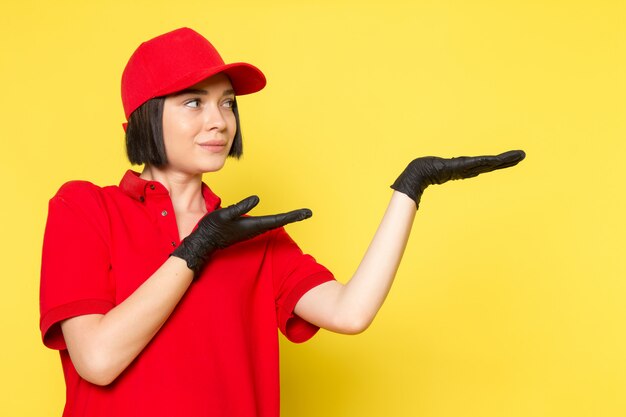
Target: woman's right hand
(223, 227)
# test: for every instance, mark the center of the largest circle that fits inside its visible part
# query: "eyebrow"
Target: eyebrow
(201, 92)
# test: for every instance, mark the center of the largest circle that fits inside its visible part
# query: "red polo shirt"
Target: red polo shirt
(217, 355)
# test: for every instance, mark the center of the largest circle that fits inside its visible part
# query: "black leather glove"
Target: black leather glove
(226, 226)
(422, 172)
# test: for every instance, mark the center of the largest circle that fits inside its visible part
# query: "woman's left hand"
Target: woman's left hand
(425, 171)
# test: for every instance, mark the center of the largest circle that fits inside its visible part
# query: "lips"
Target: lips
(213, 145)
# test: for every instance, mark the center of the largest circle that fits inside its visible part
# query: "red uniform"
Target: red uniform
(217, 355)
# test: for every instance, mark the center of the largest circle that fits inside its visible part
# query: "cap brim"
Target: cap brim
(245, 78)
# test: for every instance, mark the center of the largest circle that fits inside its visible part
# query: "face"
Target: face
(199, 126)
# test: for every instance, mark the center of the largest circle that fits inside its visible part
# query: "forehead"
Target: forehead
(218, 82)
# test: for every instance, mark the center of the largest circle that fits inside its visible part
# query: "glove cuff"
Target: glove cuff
(402, 187)
(194, 254)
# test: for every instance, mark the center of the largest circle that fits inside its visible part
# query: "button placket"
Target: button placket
(162, 206)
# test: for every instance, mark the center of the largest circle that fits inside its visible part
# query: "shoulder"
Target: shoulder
(79, 198)
(78, 190)
(282, 245)
(79, 211)
(83, 193)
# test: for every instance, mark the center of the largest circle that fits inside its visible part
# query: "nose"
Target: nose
(213, 118)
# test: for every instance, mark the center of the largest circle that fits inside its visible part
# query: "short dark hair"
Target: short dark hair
(144, 134)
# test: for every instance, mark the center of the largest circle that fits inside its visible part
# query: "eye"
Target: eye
(229, 103)
(193, 103)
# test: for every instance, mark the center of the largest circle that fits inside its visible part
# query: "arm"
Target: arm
(102, 346)
(351, 308)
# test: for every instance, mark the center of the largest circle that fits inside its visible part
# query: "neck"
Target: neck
(185, 189)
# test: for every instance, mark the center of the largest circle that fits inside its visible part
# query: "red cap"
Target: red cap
(177, 60)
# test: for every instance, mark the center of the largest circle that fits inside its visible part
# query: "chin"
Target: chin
(212, 167)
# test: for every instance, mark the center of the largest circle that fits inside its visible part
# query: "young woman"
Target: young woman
(161, 302)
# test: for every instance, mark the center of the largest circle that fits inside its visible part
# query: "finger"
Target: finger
(504, 160)
(471, 166)
(242, 207)
(511, 158)
(264, 223)
(466, 167)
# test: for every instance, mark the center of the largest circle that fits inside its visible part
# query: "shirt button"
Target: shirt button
(173, 243)
(141, 198)
(164, 213)
(152, 187)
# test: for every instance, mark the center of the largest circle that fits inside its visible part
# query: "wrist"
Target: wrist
(180, 268)
(194, 253)
(414, 192)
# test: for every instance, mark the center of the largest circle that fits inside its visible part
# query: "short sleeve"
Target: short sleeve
(294, 274)
(75, 266)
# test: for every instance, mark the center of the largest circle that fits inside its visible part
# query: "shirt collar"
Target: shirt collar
(139, 189)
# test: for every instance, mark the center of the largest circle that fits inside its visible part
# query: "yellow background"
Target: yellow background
(511, 298)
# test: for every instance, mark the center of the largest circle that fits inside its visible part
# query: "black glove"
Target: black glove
(422, 172)
(226, 226)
